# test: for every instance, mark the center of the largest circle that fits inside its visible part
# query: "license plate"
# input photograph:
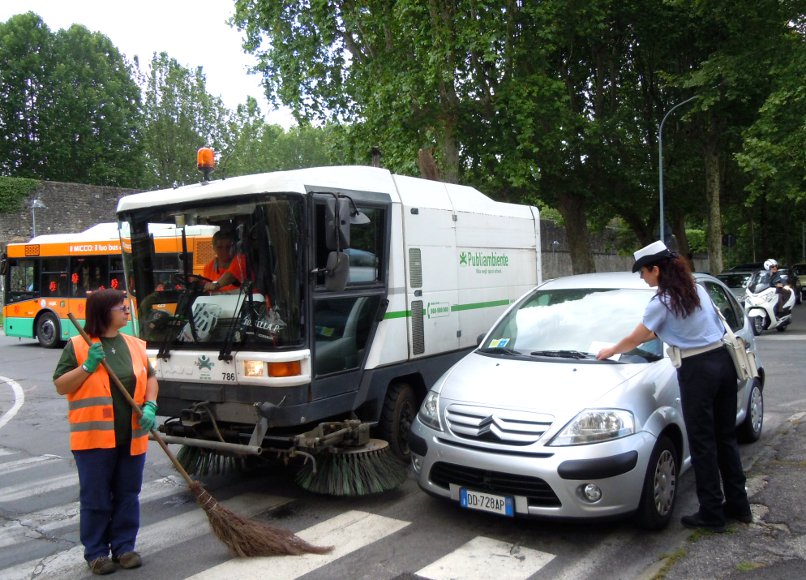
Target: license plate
(477, 500)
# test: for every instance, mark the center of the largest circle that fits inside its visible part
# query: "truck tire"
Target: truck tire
(48, 330)
(399, 410)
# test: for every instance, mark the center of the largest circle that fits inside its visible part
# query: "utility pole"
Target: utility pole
(660, 161)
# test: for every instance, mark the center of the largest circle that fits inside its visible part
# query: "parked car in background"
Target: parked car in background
(531, 424)
(749, 267)
(800, 271)
(792, 278)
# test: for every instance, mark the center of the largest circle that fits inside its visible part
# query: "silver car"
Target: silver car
(531, 424)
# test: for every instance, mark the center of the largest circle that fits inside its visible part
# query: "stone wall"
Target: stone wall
(69, 208)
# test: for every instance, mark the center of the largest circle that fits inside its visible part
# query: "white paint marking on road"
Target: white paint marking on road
(347, 532)
(487, 558)
(5, 451)
(19, 399)
(27, 463)
(781, 337)
(70, 564)
(44, 522)
(13, 493)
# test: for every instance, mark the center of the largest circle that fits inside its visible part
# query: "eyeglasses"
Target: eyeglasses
(125, 309)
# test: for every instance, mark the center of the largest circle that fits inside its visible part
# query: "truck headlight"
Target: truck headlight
(429, 411)
(595, 426)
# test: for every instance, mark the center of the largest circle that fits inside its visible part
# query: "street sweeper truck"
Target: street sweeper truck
(341, 296)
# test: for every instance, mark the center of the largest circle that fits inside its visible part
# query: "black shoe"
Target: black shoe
(102, 565)
(128, 560)
(695, 521)
(746, 517)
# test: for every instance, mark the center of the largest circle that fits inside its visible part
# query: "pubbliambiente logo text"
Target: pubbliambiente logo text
(483, 259)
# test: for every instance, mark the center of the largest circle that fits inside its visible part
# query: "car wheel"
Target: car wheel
(399, 411)
(659, 492)
(48, 330)
(750, 429)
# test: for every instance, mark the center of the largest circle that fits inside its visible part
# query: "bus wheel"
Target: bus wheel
(399, 411)
(48, 330)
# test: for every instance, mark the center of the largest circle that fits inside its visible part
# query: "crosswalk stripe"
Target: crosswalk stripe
(47, 520)
(348, 532)
(487, 558)
(14, 493)
(27, 463)
(70, 563)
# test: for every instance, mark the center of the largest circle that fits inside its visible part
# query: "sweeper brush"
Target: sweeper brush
(353, 471)
(202, 462)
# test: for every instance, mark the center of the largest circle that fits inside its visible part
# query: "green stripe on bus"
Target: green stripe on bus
(491, 304)
(397, 314)
(455, 308)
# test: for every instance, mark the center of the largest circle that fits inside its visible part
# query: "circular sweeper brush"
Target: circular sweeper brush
(353, 471)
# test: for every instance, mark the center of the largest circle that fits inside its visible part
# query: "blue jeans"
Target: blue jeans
(110, 481)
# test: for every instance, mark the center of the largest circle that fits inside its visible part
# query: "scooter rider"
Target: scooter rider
(777, 280)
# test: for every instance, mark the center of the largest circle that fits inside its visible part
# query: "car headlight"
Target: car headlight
(595, 426)
(429, 411)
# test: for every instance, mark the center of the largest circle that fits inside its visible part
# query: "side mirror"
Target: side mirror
(3, 265)
(337, 270)
(337, 223)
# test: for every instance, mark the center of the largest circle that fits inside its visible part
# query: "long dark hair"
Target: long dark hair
(99, 308)
(677, 283)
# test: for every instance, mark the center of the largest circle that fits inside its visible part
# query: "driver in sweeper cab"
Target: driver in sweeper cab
(227, 270)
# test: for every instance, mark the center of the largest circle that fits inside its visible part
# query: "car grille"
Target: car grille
(536, 491)
(506, 427)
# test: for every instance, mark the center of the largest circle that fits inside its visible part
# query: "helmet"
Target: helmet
(769, 264)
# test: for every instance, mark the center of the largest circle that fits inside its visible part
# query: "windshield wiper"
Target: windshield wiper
(498, 350)
(577, 354)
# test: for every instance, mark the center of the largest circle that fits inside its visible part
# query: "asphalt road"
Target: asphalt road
(402, 534)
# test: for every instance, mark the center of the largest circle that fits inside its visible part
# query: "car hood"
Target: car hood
(555, 387)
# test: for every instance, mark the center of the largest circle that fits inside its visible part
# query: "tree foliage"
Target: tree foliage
(555, 101)
(70, 106)
(179, 117)
(14, 191)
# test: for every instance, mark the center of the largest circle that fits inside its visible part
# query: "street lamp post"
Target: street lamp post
(35, 205)
(660, 160)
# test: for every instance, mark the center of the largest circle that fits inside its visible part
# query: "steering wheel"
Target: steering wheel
(190, 280)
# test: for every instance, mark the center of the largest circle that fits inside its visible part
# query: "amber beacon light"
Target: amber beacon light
(205, 158)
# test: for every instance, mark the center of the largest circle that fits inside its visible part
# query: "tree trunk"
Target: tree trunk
(713, 184)
(572, 208)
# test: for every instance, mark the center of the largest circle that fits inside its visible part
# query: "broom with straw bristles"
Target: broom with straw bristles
(244, 538)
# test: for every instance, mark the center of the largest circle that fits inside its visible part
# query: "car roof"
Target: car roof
(609, 280)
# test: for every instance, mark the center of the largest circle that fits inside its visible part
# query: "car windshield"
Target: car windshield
(572, 323)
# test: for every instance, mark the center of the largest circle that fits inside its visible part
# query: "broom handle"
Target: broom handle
(134, 405)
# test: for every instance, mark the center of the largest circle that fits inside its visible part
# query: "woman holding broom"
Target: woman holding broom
(107, 438)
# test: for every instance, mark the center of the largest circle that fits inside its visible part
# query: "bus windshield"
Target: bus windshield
(248, 294)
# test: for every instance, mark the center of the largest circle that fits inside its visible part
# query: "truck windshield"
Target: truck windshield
(241, 270)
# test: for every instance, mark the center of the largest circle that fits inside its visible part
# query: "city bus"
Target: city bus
(51, 275)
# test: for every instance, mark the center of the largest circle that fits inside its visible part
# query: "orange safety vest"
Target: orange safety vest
(92, 420)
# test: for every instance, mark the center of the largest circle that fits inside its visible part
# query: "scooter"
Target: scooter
(761, 300)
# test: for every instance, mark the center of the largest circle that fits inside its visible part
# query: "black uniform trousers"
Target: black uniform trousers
(708, 396)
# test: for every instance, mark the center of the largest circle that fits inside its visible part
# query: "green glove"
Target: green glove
(149, 417)
(94, 357)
